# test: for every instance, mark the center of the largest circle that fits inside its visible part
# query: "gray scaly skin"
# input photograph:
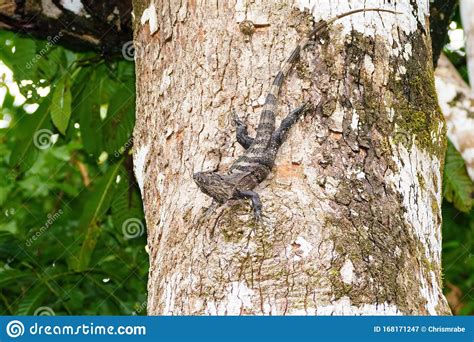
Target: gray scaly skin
(254, 166)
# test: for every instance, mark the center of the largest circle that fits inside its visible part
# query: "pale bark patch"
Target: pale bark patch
(74, 6)
(299, 249)
(139, 161)
(419, 183)
(368, 64)
(50, 9)
(337, 118)
(404, 21)
(256, 14)
(343, 306)
(402, 70)
(430, 291)
(149, 16)
(420, 192)
(347, 272)
(407, 52)
(237, 300)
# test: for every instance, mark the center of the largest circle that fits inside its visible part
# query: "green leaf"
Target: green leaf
(458, 186)
(126, 204)
(49, 64)
(32, 136)
(10, 247)
(61, 105)
(12, 276)
(25, 53)
(19, 54)
(8, 100)
(86, 104)
(97, 203)
(31, 301)
(110, 292)
(118, 126)
(75, 297)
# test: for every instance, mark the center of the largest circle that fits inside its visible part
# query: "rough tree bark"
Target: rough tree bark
(353, 205)
(105, 26)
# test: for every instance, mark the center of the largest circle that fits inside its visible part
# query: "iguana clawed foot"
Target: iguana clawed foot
(256, 203)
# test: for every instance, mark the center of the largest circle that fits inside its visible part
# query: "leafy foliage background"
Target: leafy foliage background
(72, 233)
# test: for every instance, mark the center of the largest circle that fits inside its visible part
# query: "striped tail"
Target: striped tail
(266, 125)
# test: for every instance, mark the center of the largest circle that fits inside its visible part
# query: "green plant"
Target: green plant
(72, 234)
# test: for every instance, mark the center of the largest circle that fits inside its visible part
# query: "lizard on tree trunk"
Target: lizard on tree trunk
(253, 167)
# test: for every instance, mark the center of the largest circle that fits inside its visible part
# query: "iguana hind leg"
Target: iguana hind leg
(280, 134)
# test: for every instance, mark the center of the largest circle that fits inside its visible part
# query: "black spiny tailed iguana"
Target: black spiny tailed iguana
(257, 162)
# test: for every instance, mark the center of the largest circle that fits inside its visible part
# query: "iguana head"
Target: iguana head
(214, 185)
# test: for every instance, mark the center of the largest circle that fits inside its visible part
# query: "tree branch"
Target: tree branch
(101, 26)
(441, 13)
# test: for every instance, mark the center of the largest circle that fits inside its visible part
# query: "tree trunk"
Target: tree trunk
(467, 16)
(457, 102)
(352, 221)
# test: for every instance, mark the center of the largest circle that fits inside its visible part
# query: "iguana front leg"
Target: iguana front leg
(256, 203)
(242, 134)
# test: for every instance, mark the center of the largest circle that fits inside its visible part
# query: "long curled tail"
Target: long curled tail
(267, 119)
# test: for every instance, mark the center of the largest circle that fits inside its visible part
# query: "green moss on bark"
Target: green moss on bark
(418, 115)
(376, 236)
